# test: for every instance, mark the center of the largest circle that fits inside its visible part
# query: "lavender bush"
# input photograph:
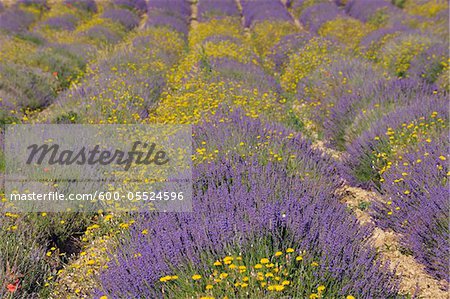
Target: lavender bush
(364, 10)
(173, 14)
(226, 193)
(342, 80)
(315, 16)
(22, 264)
(212, 9)
(40, 4)
(368, 78)
(375, 39)
(417, 191)
(125, 17)
(362, 163)
(31, 88)
(429, 64)
(250, 75)
(180, 7)
(384, 98)
(66, 22)
(288, 45)
(129, 95)
(63, 61)
(15, 20)
(103, 35)
(138, 5)
(269, 10)
(88, 5)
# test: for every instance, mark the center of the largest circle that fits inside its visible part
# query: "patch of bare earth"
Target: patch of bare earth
(294, 19)
(414, 279)
(412, 274)
(193, 21)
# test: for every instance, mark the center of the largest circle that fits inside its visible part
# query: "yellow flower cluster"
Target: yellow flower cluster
(346, 30)
(231, 274)
(427, 9)
(422, 130)
(117, 102)
(397, 54)
(303, 62)
(195, 92)
(265, 35)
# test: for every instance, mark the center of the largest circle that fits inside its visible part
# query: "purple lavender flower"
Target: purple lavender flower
(359, 163)
(297, 3)
(138, 5)
(365, 9)
(174, 14)
(245, 129)
(375, 36)
(315, 16)
(208, 9)
(343, 79)
(30, 87)
(178, 7)
(382, 98)
(79, 50)
(427, 234)
(217, 38)
(259, 11)
(88, 5)
(122, 86)
(65, 22)
(125, 17)
(7, 105)
(102, 34)
(421, 216)
(286, 46)
(429, 64)
(38, 3)
(237, 202)
(161, 19)
(249, 75)
(15, 20)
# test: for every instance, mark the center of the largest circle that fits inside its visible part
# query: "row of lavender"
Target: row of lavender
(265, 211)
(381, 98)
(113, 87)
(123, 85)
(45, 48)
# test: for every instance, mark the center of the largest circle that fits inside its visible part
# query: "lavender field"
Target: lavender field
(320, 146)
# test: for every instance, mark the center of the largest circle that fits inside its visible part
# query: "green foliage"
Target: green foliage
(63, 64)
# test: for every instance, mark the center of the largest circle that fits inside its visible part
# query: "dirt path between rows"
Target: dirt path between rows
(412, 274)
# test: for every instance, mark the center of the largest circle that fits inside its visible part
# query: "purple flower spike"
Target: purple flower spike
(315, 16)
(267, 10)
(214, 9)
(88, 5)
(123, 16)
